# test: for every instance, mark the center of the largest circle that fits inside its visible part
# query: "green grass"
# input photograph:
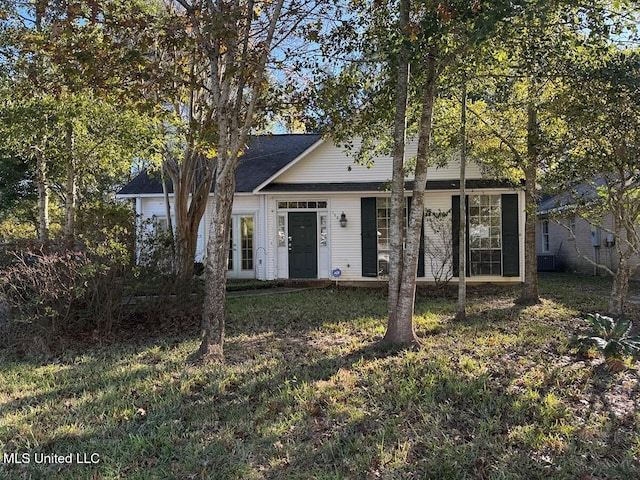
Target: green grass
(305, 393)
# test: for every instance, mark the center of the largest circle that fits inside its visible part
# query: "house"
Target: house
(567, 242)
(303, 209)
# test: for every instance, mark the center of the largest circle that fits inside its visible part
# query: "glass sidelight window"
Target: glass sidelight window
(282, 231)
(246, 242)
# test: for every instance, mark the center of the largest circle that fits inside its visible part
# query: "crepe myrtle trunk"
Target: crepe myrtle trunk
(190, 203)
(214, 311)
(186, 241)
(624, 270)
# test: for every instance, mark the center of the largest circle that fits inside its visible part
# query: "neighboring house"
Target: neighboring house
(563, 239)
(303, 209)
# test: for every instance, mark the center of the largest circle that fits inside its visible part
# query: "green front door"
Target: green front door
(303, 245)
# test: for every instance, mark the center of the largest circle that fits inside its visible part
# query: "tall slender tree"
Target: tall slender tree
(237, 41)
(64, 62)
(461, 307)
(597, 171)
(408, 46)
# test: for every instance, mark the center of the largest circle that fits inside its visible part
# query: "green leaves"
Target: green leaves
(611, 336)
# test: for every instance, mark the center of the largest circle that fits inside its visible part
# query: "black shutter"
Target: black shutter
(369, 231)
(420, 272)
(455, 235)
(510, 236)
(421, 252)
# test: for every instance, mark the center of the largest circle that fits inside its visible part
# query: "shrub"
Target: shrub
(611, 337)
(53, 288)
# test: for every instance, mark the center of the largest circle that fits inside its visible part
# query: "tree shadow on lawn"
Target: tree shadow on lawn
(372, 412)
(124, 413)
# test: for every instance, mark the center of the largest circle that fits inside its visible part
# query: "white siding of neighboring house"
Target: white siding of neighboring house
(328, 163)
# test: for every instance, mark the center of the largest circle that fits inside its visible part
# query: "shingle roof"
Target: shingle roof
(265, 156)
(382, 186)
(580, 193)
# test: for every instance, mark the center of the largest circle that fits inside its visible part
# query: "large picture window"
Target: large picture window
(493, 234)
(485, 234)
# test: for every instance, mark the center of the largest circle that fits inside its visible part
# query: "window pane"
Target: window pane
(281, 231)
(485, 234)
(323, 230)
(230, 261)
(246, 241)
(383, 216)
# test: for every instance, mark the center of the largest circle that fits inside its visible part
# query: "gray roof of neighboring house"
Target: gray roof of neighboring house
(583, 192)
(264, 156)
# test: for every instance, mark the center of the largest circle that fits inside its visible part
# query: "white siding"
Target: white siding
(153, 206)
(244, 205)
(438, 202)
(329, 163)
(345, 242)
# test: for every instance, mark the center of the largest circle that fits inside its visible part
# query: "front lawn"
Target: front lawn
(306, 394)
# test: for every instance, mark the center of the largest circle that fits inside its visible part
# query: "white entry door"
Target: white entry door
(241, 247)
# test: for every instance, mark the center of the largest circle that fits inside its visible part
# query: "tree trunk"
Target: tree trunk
(530, 294)
(71, 190)
(236, 66)
(186, 243)
(396, 226)
(167, 207)
(191, 186)
(625, 249)
(461, 308)
(43, 200)
(214, 314)
(620, 288)
(400, 327)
